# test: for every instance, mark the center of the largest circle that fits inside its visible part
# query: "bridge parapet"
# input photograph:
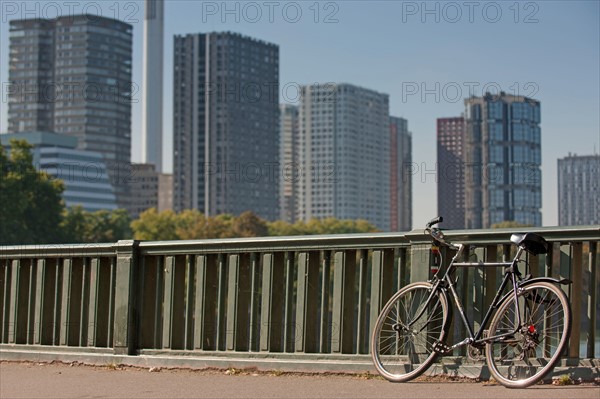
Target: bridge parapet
(272, 297)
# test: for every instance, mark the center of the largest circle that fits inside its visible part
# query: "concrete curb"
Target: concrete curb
(453, 367)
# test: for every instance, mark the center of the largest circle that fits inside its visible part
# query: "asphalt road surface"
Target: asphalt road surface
(39, 380)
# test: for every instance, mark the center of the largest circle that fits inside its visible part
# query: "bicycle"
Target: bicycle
(526, 336)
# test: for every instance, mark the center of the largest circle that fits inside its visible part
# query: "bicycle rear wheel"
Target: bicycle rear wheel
(406, 330)
(529, 350)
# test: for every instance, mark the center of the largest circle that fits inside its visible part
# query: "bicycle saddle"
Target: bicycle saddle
(531, 242)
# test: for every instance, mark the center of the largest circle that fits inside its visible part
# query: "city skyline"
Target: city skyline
(420, 89)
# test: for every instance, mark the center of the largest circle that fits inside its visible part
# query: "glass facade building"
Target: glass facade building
(502, 161)
(84, 173)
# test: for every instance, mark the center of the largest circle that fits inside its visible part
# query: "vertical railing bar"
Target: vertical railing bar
(221, 311)
(254, 303)
(288, 333)
(200, 280)
(548, 272)
(5, 305)
(234, 262)
(266, 305)
(324, 325)
(575, 298)
(158, 301)
(140, 297)
(169, 290)
(111, 302)
(474, 285)
(30, 302)
(189, 284)
(57, 302)
(84, 294)
(186, 300)
(92, 318)
(66, 301)
(362, 302)
(592, 312)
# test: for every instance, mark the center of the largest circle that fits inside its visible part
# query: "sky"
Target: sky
(428, 56)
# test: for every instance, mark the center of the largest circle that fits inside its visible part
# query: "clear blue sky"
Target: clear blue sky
(549, 50)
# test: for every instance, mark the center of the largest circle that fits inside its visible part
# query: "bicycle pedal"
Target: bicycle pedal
(441, 348)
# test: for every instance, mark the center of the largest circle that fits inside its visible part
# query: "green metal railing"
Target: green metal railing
(307, 294)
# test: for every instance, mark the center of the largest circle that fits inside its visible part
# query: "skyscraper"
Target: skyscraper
(226, 124)
(579, 190)
(288, 155)
(400, 176)
(344, 154)
(502, 160)
(153, 83)
(451, 171)
(72, 75)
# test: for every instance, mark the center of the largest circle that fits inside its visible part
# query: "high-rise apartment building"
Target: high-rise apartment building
(288, 156)
(451, 171)
(400, 175)
(579, 190)
(226, 124)
(344, 154)
(502, 160)
(165, 192)
(144, 186)
(72, 75)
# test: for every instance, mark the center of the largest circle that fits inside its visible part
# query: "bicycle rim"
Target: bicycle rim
(531, 349)
(402, 345)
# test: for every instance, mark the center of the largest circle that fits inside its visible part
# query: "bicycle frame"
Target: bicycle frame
(446, 284)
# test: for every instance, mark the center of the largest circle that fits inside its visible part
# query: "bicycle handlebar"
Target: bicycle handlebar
(433, 221)
(437, 233)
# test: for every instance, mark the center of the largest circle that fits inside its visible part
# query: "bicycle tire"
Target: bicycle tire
(401, 353)
(525, 357)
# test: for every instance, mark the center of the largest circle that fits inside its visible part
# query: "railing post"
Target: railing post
(420, 256)
(343, 298)
(125, 327)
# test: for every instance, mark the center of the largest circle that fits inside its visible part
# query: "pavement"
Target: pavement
(58, 380)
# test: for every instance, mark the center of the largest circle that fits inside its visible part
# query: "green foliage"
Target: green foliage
(155, 226)
(507, 224)
(192, 224)
(79, 225)
(249, 225)
(30, 200)
(321, 226)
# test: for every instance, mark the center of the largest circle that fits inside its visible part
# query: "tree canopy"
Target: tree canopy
(30, 200)
(192, 224)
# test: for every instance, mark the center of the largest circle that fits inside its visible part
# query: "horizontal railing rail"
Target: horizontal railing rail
(270, 296)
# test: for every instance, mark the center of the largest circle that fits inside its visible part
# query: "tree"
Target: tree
(249, 225)
(31, 202)
(507, 224)
(191, 224)
(79, 225)
(320, 226)
(155, 226)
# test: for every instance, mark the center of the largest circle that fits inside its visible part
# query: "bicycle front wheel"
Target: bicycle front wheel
(406, 330)
(524, 353)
